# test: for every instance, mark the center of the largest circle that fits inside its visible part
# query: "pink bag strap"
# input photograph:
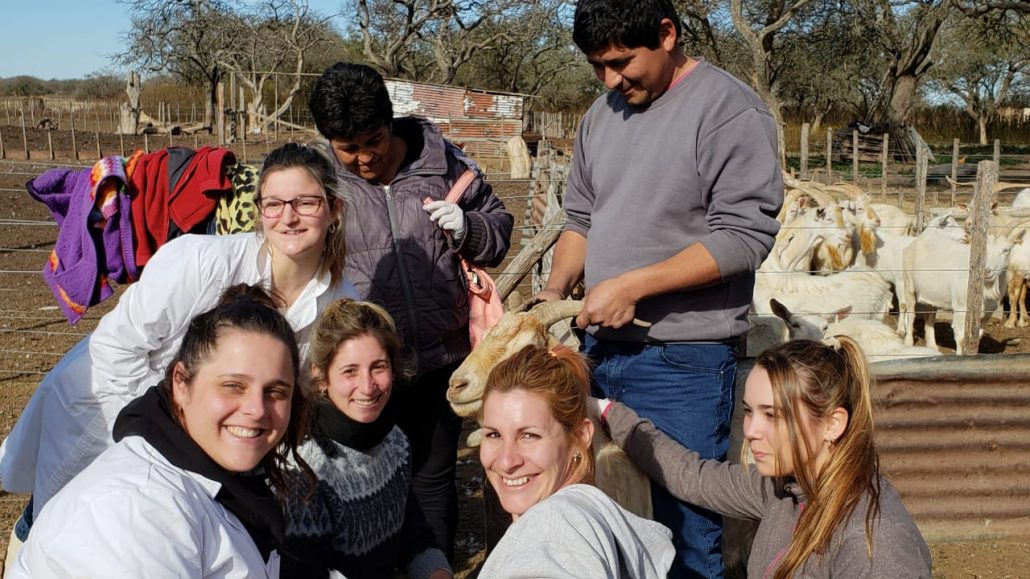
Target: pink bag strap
(459, 187)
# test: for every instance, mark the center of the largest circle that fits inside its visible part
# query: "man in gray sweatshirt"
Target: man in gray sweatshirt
(671, 206)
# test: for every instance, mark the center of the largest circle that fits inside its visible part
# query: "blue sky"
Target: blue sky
(70, 38)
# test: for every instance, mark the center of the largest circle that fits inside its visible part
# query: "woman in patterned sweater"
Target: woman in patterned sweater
(362, 520)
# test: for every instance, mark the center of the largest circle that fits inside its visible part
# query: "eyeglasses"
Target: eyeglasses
(305, 206)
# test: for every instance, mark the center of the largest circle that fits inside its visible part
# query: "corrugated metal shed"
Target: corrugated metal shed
(482, 121)
(954, 437)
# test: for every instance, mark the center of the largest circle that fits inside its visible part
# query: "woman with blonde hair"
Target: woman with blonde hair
(536, 450)
(815, 485)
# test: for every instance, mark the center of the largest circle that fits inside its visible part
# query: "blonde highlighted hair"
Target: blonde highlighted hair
(810, 380)
(561, 377)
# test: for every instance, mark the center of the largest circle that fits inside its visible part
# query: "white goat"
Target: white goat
(865, 291)
(894, 219)
(877, 340)
(937, 276)
(887, 250)
(615, 473)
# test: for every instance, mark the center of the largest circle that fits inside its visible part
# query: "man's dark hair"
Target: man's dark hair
(350, 100)
(600, 24)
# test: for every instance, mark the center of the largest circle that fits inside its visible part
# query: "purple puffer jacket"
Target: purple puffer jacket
(398, 258)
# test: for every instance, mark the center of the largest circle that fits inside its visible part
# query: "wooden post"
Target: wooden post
(3, 153)
(220, 104)
(979, 216)
(75, 148)
(997, 155)
(121, 142)
(170, 144)
(829, 156)
(7, 111)
(804, 150)
(100, 153)
(884, 156)
(146, 143)
(24, 134)
(921, 166)
(954, 169)
(244, 143)
(854, 156)
(50, 144)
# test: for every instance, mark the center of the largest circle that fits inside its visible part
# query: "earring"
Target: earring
(577, 457)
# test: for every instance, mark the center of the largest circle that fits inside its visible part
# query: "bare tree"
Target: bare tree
(184, 38)
(275, 39)
(981, 7)
(904, 31)
(203, 40)
(982, 62)
(432, 39)
(758, 23)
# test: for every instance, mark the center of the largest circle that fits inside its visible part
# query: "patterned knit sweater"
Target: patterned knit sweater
(362, 520)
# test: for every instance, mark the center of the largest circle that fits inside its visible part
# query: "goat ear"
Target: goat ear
(779, 310)
(840, 314)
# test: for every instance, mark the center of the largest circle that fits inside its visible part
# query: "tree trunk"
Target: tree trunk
(901, 99)
(982, 122)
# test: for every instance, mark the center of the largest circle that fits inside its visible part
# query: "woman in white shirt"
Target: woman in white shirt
(188, 488)
(297, 253)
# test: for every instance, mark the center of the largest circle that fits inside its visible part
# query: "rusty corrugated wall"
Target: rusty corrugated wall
(480, 121)
(954, 437)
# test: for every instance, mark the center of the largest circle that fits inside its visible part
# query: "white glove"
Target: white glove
(447, 216)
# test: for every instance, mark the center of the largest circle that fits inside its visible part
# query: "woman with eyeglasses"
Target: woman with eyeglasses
(297, 253)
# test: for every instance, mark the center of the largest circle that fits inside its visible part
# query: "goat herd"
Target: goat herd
(839, 260)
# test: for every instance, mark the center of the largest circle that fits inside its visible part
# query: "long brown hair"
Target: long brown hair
(293, 155)
(810, 380)
(560, 376)
(249, 309)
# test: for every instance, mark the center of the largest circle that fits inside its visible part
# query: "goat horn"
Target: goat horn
(550, 313)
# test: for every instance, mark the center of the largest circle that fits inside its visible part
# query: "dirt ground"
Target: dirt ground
(34, 335)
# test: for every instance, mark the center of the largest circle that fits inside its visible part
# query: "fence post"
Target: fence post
(983, 198)
(220, 113)
(997, 155)
(804, 150)
(75, 148)
(3, 153)
(50, 144)
(24, 133)
(100, 153)
(884, 155)
(854, 156)
(921, 167)
(829, 156)
(954, 170)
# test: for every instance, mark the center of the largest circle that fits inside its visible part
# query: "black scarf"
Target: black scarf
(330, 423)
(248, 496)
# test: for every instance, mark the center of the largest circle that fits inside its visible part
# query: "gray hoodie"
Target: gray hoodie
(580, 532)
(729, 489)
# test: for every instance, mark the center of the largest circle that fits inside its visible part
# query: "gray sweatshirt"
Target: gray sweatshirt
(898, 548)
(580, 532)
(697, 165)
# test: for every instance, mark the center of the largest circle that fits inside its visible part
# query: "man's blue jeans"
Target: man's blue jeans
(687, 391)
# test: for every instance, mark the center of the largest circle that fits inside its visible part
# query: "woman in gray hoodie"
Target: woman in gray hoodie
(815, 484)
(536, 453)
